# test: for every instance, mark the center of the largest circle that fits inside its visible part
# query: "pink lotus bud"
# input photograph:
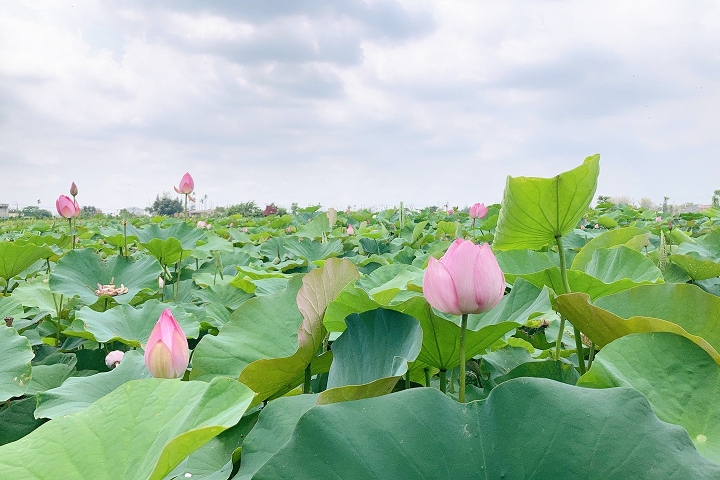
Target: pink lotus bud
(596, 226)
(66, 207)
(350, 230)
(288, 230)
(658, 219)
(479, 210)
(208, 226)
(201, 224)
(243, 229)
(161, 282)
(187, 185)
(167, 354)
(73, 189)
(113, 358)
(467, 279)
(450, 211)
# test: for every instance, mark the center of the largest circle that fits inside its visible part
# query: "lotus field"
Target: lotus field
(539, 338)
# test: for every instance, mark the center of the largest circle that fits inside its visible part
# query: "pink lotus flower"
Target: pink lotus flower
(167, 354)
(187, 185)
(78, 210)
(467, 279)
(350, 230)
(201, 224)
(479, 210)
(73, 189)
(114, 358)
(450, 211)
(658, 219)
(66, 207)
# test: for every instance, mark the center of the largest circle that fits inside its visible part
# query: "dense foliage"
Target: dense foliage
(315, 354)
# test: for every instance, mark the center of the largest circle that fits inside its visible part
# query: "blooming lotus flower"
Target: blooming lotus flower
(167, 354)
(350, 230)
(113, 358)
(187, 185)
(467, 279)
(78, 210)
(66, 207)
(479, 210)
(73, 189)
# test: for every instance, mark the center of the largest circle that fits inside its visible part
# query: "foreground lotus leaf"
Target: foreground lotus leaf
(143, 429)
(526, 428)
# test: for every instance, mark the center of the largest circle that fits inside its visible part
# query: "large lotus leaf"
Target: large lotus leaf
(535, 211)
(262, 327)
(78, 393)
(125, 436)
(80, 271)
(220, 301)
(131, 326)
(316, 228)
(16, 258)
(698, 268)
(386, 282)
(15, 369)
(689, 306)
(352, 299)
(632, 237)
(46, 377)
(615, 264)
(272, 431)
(10, 307)
(519, 262)
(524, 302)
(421, 433)
(17, 420)
(167, 252)
(211, 244)
(376, 345)
(603, 326)
(586, 283)
(680, 380)
(186, 234)
(269, 376)
(312, 250)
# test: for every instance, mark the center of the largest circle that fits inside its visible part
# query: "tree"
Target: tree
(32, 211)
(247, 209)
(716, 199)
(89, 211)
(166, 206)
(603, 199)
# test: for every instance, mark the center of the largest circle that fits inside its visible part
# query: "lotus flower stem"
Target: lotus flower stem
(307, 384)
(426, 370)
(576, 331)
(407, 379)
(463, 331)
(443, 380)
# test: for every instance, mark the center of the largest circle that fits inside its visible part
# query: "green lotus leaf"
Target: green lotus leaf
(632, 237)
(680, 380)
(371, 355)
(125, 435)
(131, 326)
(536, 211)
(603, 326)
(262, 327)
(698, 268)
(421, 433)
(15, 369)
(80, 271)
(78, 393)
(312, 250)
(273, 376)
(15, 258)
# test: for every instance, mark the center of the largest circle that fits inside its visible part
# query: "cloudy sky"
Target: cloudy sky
(355, 103)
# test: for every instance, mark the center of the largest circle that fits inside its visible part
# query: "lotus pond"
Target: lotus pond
(315, 354)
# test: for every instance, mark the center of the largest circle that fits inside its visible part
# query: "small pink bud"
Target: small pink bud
(350, 230)
(161, 282)
(201, 224)
(288, 230)
(596, 226)
(114, 358)
(479, 210)
(244, 229)
(167, 354)
(658, 219)
(66, 207)
(450, 211)
(73, 189)
(187, 185)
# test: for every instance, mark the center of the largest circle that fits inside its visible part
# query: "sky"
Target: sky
(355, 103)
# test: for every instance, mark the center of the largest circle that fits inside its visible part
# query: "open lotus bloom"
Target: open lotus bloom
(187, 185)
(467, 279)
(479, 210)
(66, 207)
(167, 354)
